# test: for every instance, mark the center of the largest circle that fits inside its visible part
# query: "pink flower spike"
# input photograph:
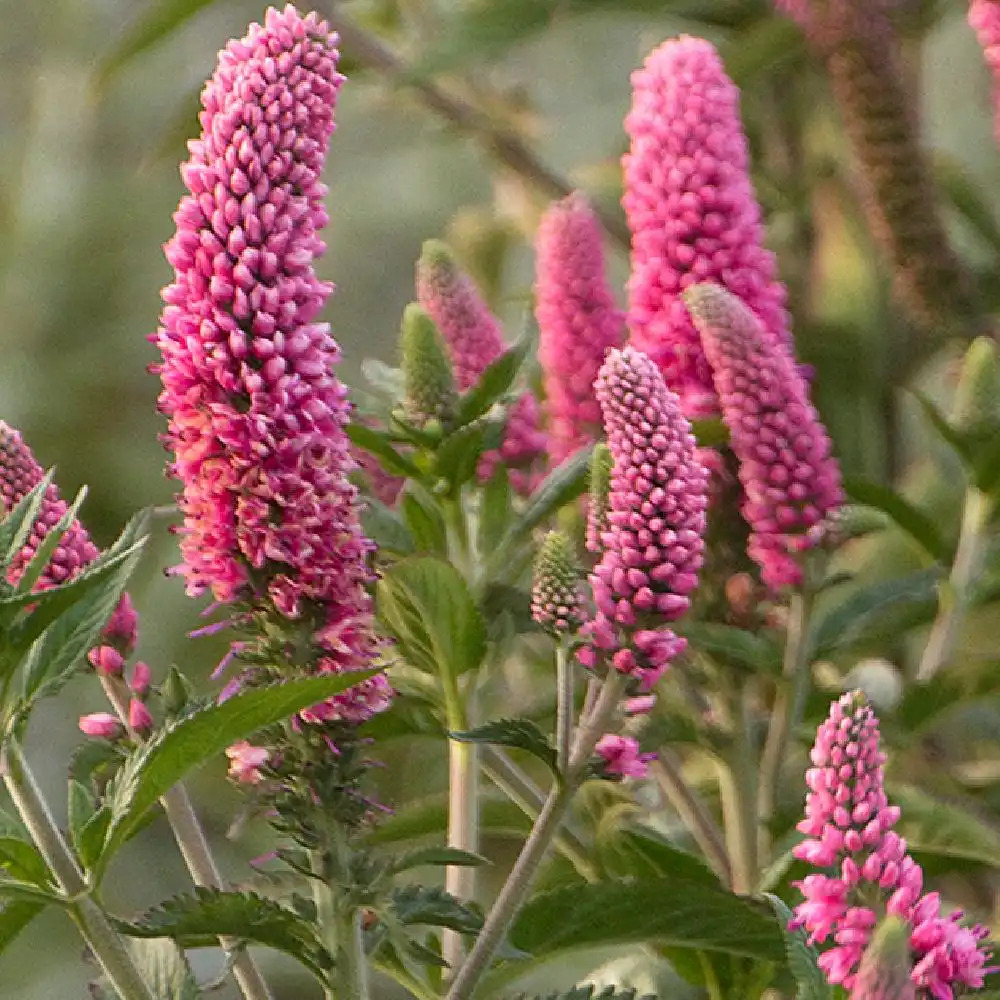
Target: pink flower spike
(621, 756)
(245, 761)
(101, 725)
(984, 19)
(692, 211)
(790, 479)
(578, 321)
(139, 717)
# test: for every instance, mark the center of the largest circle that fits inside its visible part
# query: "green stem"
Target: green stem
(738, 787)
(564, 705)
(326, 911)
(522, 875)
(785, 715)
(964, 572)
(197, 855)
(668, 773)
(108, 948)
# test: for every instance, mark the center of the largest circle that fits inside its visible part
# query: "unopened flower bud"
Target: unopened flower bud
(601, 464)
(106, 660)
(555, 595)
(621, 756)
(245, 761)
(139, 682)
(101, 725)
(428, 382)
(176, 692)
(139, 718)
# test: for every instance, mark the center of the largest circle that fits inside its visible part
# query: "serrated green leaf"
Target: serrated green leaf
(386, 529)
(425, 605)
(436, 856)
(561, 486)
(519, 734)
(15, 529)
(14, 917)
(433, 907)
(493, 384)
(164, 968)
(758, 652)
(853, 619)
(946, 828)
(424, 519)
(156, 24)
(31, 573)
(198, 920)
(902, 513)
(194, 739)
(380, 445)
(810, 982)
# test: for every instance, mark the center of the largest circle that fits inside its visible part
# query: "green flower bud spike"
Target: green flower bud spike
(428, 382)
(601, 465)
(884, 973)
(555, 594)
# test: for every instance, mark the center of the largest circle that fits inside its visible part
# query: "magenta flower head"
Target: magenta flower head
(474, 339)
(653, 541)
(621, 756)
(868, 872)
(255, 414)
(20, 473)
(692, 212)
(578, 321)
(984, 18)
(790, 480)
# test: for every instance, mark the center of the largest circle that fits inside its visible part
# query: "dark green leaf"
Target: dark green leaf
(385, 528)
(710, 433)
(670, 911)
(156, 24)
(520, 734)
(21, 860)
(810, 982)
(380, 445)
(907, 517)
(769, 44)
(426, 606)
(857, 616)
(90, 841)
(196, 738)
(734, 645)
(14, 917)
(436, 856)
(591, 992)
(198, 920)
(561, 486)
(947, 828)
(640, 852)
(428, 819)
(81, 807)
(458, 455)
(25, 892)
(433, 907)
(493, 383)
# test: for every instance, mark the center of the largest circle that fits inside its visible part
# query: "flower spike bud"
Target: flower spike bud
(984, 19)
(884, 973)
(601, 464)
(621, 756)
(976, 409)
(578, 321)
(555, 595)
(428, 383)
(690, 205)
(790, 480)
(101, 725)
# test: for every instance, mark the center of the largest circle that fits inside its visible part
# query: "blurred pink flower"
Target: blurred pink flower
(984, 17)
(245, 761)
(621, 756)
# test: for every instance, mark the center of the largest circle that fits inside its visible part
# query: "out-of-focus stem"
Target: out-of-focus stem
(785, 716)
(197, 855)
(667, 771)
(564, 705)
(107, 946)
(964, 572)
(738, 788)
(519, 882)
(502, 144)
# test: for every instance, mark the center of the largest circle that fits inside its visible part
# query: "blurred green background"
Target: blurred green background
(88, 182)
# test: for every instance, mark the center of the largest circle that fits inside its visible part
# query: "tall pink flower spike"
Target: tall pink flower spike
(475, 340)
(984, 18)
(848, 826)
(578, 321)
(255, 414)
(691, 208)
(653, 544)
(791, 482)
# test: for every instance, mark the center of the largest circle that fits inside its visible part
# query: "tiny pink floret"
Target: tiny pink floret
(101, 725)
(622, 757)
(245, 762)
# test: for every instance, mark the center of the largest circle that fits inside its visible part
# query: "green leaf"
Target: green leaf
(670, 911)
(426, 606)
(14, 917)
(383, 378)
(802, 957)
(163, 966)
(21, 860)
(157, 24)
(427, 818)
(31, 573)
(458, 454)
(967, 198)
(633, 850)
(494, 510)
(734, 645)
(590, 992)
(431, 906)
(384, 527)
(436, 856)
(493, 383)
(196, 738)
(380, 445)
(15, 529)
(198, 920)
(903, 514)
(25, 892)
(81, 808)
(946, 828)
(561, 486)
(424, 519)
(769, 44)
(942, 425)
(520, 734)
(866, 608)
